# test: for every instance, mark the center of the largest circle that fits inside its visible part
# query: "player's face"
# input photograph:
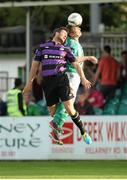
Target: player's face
(76, 31)
(62, 35)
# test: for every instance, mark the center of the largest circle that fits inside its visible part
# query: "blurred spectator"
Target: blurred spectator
(82, 104)
(96, 98)
(37, 104)
(37, 90)
(38, 93)
(109, 70)
(33, 109)
(123, 74)
(90, 69)
(89, 100)
(3, 108)
(15, 104)
(84, 108)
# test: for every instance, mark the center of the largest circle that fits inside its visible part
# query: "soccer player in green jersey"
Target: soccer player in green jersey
(74, 80)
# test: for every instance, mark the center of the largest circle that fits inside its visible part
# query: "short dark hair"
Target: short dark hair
(18, 82)
(107, 49)
(123, 53)
(59, 30)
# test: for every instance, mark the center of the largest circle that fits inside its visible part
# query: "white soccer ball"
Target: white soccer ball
(74, 19)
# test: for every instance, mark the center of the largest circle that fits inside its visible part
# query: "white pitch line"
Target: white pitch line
(40, 177)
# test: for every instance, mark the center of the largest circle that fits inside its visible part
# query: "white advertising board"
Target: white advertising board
(24, 138)
(28, 138)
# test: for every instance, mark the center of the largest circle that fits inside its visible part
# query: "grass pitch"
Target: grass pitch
(64, 169)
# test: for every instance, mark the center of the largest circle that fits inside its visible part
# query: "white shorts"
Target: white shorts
(74, 81)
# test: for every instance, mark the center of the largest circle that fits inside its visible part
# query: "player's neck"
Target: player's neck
(56, 40)
(76, 38)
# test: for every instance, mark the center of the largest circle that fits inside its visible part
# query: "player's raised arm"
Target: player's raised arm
(93, 59)
(85, 82)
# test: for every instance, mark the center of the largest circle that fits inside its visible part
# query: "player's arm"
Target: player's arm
(33, 72)
(93, 59)
(39, 76)
(72, 59)
(84, 81)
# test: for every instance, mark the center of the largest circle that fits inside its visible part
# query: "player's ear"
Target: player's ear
(57, 33)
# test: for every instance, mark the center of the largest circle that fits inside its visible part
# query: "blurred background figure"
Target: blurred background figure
(82, 104)
(123, 72)
(37, 103)
(15, 103)
(3, 108)
(109, 72)
(90, 102)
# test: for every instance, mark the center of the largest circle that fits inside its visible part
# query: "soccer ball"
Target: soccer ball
(74, 19)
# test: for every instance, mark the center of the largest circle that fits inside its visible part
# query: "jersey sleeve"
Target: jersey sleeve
(69, 55)
(38, 54)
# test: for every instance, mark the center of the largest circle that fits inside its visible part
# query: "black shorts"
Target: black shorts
(56, 89)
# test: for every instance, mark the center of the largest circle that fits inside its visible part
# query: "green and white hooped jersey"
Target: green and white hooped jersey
(77, 50)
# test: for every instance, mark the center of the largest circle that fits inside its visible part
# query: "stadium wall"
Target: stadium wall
(27, 138)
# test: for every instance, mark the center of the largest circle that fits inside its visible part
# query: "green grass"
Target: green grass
(63, 169)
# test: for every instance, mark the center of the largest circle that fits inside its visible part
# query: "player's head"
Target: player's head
(74, 31)
(74, 23)
(60, 34)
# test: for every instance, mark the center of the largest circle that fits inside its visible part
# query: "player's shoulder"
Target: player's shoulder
(44, 44)
(67, 48)
(70, 40)
(39, 48)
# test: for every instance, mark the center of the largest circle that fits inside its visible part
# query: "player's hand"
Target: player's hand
(86, 84)
(93, 59)
(26, 92)
(26, 98)
(27, 89)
